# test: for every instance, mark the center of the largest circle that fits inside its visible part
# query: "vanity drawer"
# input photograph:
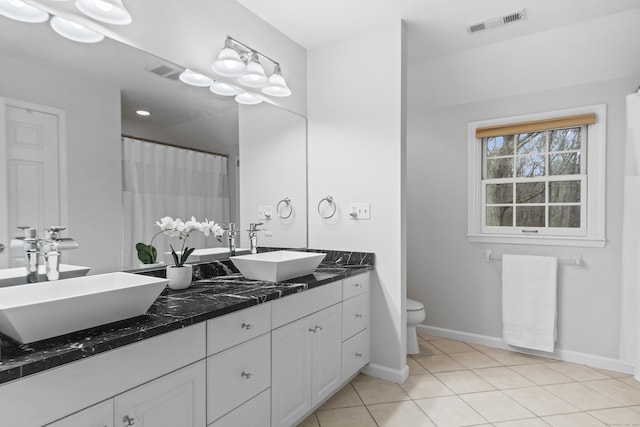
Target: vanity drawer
(254, 413)
(238, 374)
(297, 306)
(355, 315)
(234, 328)
(355, 285)
(355, 354)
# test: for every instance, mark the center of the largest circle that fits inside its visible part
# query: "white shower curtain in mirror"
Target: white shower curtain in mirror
(630, 295)
(159, 180)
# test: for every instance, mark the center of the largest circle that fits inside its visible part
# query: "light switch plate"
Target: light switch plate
(265, 212)
(360, 211)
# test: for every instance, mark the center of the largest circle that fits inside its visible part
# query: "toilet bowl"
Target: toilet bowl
(415, 315)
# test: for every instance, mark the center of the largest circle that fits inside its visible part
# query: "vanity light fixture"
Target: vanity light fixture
(247, 99)
(254, 76)
(277, 85)
(224, 89)
(20, 11)
(109, 11)
(195, 79)
(229, 63)
(74, 31)
(240, 60)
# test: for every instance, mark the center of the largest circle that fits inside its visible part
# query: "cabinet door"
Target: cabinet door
(100, 415)
(177, 399)
(326, 351)
(291, 373)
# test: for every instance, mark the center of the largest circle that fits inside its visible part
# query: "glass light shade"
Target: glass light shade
(109, 11)
(277, 86)
(195, 79)
(255, 76)
(73, 31)
(20, 11)
(229, 63)
(224, 89)
(247, 99)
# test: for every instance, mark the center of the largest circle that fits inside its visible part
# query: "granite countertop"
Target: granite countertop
(217, 289)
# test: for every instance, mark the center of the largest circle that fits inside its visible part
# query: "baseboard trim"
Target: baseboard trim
(393, 375)
(559, 354)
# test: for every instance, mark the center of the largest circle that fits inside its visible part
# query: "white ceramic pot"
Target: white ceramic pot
(179, 277)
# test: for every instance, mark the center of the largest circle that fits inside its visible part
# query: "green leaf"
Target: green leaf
(185, 255)
(176, 262)
(146, 253)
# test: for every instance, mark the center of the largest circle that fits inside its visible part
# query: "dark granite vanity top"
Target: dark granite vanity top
(217, 289)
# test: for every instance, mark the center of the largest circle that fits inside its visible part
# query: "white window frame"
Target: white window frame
(595, 179)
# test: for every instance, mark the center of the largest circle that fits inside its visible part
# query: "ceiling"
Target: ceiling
(434, 27)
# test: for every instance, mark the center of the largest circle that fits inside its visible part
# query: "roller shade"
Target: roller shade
(536, 125)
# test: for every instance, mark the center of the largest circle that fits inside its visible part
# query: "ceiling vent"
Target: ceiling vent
(499, 21)
(168, 71)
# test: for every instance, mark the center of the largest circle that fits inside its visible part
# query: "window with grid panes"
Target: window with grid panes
(534, 181)
(538, 178)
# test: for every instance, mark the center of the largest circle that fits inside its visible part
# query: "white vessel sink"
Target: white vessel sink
(277, 266)
(207, 254)
(18, 275)
(36, 311)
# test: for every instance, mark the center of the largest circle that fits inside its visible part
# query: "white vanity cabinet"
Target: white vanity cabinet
(356, 321)
(306, 364)
(100, 415)
(239, 366)
(176, 399)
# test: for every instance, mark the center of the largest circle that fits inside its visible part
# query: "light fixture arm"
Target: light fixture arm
(247, 51)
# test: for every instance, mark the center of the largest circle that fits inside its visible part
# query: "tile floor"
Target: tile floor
(452, 383)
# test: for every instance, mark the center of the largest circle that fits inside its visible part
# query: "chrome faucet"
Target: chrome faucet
(49, 248)
(253, 235)
(232, 233)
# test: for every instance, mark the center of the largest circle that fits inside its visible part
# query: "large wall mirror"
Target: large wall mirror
(92, 92)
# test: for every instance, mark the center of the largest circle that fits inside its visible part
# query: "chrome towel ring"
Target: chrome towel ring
(330, 201)
(287, 202)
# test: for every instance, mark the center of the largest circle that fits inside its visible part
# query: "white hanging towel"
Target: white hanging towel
(529, 301)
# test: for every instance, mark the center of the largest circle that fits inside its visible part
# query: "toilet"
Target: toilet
(415, 316)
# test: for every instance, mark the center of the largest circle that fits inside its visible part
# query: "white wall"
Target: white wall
(355, 145)
(462, 293)
(93, 155)
(273, 153)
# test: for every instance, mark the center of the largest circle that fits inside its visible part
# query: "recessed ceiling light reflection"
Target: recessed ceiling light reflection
(143, 113)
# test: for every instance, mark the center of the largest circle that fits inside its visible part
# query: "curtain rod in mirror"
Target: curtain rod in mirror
(174, 145)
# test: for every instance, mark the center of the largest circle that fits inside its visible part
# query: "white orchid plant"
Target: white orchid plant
(182, 230)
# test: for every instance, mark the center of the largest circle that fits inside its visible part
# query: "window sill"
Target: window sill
(584, 242)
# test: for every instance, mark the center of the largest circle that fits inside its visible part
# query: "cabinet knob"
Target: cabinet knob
(357, 285)
(358, 354)
(358, 315)
(313, 330)
(246, 326)
(128, 421)
(246, 375)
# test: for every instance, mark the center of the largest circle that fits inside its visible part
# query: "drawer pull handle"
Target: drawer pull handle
(246, 326)
(315, 330)
(246, 375)
(358, 354)
(128, 420)
(358, 315)
(357, 285)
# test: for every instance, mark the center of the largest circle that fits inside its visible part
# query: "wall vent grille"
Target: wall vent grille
(168, 71)
(498, 21)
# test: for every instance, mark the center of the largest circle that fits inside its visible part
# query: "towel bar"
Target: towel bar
(576, 262)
